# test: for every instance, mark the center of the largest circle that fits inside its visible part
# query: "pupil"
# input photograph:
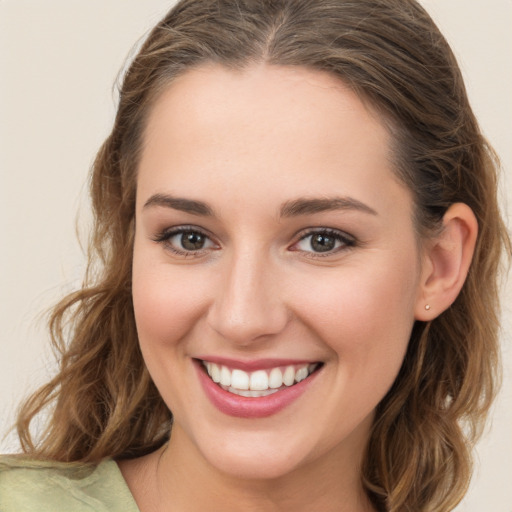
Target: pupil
(192, 241)
(323, 243)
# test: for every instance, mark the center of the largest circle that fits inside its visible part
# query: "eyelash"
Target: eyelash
(166, 235)
(346, 241)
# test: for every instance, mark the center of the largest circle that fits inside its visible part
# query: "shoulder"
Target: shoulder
(28, 485)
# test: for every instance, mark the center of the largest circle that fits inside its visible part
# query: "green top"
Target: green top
(30, 486)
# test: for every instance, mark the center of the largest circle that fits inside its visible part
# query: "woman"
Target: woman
(296, 215)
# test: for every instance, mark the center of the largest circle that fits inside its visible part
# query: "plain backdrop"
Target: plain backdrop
(59, 60)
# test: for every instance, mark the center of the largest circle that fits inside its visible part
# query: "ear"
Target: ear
(446, 262)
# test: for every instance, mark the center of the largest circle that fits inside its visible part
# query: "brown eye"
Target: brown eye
(326, 241)
(185, 241)
(322, 242)
(192, 241)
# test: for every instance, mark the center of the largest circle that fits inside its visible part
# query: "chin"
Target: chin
(250, 457)
(256, 465)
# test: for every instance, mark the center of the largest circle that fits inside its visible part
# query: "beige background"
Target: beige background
(58, 62)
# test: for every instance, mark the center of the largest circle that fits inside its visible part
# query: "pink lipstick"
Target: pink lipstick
(277, 392)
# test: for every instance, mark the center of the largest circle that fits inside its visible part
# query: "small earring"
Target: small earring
(427, 307)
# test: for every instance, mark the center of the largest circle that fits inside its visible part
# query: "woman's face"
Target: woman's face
(273, 244)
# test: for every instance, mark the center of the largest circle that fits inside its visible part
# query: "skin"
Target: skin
(247, 144)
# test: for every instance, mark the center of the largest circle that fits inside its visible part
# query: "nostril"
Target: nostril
(247, 304)
(245, 326)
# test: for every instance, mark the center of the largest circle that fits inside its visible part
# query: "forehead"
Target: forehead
(298, 131)
(262, 99)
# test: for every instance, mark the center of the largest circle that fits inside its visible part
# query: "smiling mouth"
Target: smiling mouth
(258, 383)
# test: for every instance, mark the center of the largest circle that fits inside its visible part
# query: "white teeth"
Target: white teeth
(225, 376)
(275, 379)
(214, 372)
(301, 374)
(289, 376)
(250, 393)
(240, 379)
(260, 382)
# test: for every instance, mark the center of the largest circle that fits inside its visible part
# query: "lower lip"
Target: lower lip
(251, 407)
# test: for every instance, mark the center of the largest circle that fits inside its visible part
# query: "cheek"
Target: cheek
(365, 313)
(168, 304)
(167, 301)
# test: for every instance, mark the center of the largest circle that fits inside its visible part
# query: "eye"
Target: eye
(324, 241)
(185, 241)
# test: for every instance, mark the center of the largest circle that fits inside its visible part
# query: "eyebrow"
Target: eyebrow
(306, 206)
(294, 208)
(179, 203)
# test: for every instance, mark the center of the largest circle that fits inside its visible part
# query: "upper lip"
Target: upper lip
(255, 364)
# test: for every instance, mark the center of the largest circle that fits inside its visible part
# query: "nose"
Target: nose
(248, 303)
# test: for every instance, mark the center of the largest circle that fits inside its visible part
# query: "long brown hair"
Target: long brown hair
(103, 402)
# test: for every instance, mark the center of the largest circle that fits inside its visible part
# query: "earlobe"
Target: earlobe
(446, 262)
